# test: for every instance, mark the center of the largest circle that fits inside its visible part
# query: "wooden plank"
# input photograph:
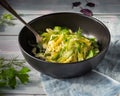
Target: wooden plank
(15, 29)
(15, 95)
(12, 94)
(9, 43)
(38, 6)
(22, 95)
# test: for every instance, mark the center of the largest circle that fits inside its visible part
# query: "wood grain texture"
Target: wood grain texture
(43, 6)
(40, 6)
(105, 10)
(14, 30)
(22, 95)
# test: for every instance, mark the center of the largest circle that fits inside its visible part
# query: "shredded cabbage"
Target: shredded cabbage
(62, 45)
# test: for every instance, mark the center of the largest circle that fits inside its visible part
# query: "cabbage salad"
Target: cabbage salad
(62, 45)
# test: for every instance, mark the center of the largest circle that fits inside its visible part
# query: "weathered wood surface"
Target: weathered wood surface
(48, 6)
(106, 10)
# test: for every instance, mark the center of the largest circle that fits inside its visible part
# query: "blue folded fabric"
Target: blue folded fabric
(111, 63)
(91, 84)
(103, 81)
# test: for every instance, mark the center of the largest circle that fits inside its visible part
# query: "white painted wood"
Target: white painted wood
(38, 6)
(15, 95)
(9, 48)
(22, 95)
(15, 29)
(105, 10)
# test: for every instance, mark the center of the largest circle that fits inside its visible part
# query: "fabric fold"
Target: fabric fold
(91, 84)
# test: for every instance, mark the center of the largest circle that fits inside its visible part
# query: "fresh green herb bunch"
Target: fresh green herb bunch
(13, 71)
(6, 19)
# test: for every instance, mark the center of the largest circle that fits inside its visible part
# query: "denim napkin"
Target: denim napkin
(103, 81)
(91, 84)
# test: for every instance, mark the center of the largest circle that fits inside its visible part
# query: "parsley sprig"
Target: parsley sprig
(13, 72)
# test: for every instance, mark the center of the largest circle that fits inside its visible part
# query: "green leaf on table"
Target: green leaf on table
(2, 83)
(24, 70)
(7, 16)
(23, 76)
(12, 82)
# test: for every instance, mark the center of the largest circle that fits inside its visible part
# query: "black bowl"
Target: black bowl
(90, 25)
